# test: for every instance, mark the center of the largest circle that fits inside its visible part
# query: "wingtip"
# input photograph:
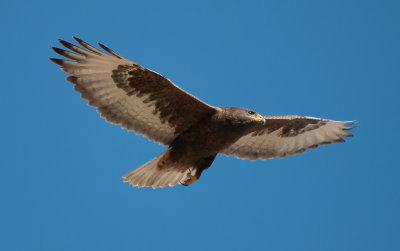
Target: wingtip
(351, 122)
(80, 41)
(65, 43)
(109, 50)
(104, 47)
(57, 50)
(350, 125)
(76, 38)
(57, 61)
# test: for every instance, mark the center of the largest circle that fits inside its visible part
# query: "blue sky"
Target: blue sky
(61, 164)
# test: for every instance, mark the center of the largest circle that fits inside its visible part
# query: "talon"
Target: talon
(190, 178)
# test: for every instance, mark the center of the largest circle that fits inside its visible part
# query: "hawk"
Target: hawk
(143, 101)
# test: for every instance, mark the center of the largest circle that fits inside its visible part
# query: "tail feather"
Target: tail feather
(150, 174)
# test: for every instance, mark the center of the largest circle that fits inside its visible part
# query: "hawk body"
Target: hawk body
(147, 103)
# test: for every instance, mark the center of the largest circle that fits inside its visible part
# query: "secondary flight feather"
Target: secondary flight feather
(147, 103)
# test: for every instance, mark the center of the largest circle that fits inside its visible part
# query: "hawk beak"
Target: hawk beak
(258, 118)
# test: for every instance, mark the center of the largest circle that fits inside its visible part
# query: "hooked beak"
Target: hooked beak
(258, 118)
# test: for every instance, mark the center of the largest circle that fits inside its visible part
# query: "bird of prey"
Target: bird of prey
(143, 101)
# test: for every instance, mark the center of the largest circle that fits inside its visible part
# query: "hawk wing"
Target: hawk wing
(288, 135)
(130, 95)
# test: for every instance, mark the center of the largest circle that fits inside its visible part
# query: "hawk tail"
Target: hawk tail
(150, 174)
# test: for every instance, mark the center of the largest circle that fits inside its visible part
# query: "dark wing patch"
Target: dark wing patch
(130, 95)
(288, 135)
(179, 108)
(290, 125)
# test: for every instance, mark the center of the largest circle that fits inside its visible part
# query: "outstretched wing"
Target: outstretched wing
(130, 95)
(288, 135)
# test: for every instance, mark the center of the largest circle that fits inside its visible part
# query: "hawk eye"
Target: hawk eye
(251, 112)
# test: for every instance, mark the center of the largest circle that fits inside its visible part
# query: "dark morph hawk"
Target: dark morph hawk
(146, 102)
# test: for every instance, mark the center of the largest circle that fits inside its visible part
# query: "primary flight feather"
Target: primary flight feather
(146, 102)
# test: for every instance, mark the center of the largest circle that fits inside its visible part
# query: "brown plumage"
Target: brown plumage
(146, 102)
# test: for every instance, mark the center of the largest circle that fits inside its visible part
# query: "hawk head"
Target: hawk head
(243, 116)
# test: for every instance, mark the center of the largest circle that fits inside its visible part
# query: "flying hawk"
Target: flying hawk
(148, 103)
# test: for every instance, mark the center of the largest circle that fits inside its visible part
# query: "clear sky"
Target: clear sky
(61, 164)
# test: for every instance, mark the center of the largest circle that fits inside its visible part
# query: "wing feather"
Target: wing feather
(74, 48)
(88, 46)
(68, 54)
(109, 50)
(130, 95)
